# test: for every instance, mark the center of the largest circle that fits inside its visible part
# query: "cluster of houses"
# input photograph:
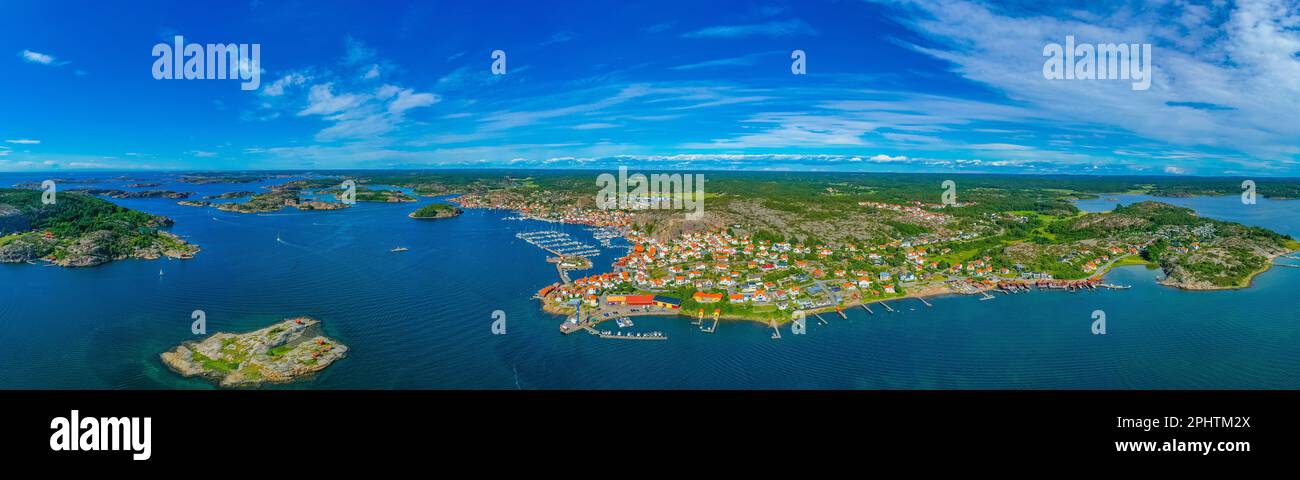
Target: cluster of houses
(720, 266)
(546, 210)
(914, 211)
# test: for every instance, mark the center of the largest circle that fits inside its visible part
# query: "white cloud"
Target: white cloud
(322, 101)
(36, 57)
(886, 158)
(408, 99)
(24, 141)
(277, 88)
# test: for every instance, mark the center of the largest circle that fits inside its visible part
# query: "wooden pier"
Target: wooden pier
(634, 337)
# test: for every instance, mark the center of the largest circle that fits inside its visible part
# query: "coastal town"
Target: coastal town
(727, 273)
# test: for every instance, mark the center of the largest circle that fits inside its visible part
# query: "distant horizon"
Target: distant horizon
(641, 170)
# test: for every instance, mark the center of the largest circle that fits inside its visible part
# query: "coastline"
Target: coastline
(932, 290)
(923, 293)
(1247, 282)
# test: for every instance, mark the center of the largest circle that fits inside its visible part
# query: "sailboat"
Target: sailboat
(160, 272)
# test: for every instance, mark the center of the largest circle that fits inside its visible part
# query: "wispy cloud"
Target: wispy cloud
(776, 28)
(741, 61)
(24, 141)
(1225, 74)
(40, 58)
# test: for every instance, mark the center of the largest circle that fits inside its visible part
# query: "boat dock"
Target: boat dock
(986, 296)
(887, 307)
(776, 330)
(558, 243)
(841, 312)
(820, 319)
(634, 336)
(868, 309)
(925, 302)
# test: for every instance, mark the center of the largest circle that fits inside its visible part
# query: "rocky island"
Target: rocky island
(435, 210)
(230, 195)
(214, 178)
(284, 352)
(114, 193)
(81, 231)
(275, 200)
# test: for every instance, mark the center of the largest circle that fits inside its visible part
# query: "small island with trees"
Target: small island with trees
(435, 210)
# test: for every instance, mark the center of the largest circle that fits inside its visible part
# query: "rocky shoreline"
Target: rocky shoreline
(284, 352)
(1174, 280)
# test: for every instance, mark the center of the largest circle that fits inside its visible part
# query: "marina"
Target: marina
(558, 243)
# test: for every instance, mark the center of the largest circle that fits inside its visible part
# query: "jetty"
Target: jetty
(776, 330)
(922, 299)
(986, 296)
(714, 327)
(820, 319)
(887, 307)
(868, 309)
(840, 310)
(634, 336)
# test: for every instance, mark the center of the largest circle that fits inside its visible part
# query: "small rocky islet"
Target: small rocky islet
(285, 352)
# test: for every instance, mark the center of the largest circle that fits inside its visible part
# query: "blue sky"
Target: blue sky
(929, 85)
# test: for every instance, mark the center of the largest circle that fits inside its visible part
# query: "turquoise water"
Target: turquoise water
(421, 319)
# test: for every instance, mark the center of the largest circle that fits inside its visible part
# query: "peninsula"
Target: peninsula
(79, 230)
(284, 352)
